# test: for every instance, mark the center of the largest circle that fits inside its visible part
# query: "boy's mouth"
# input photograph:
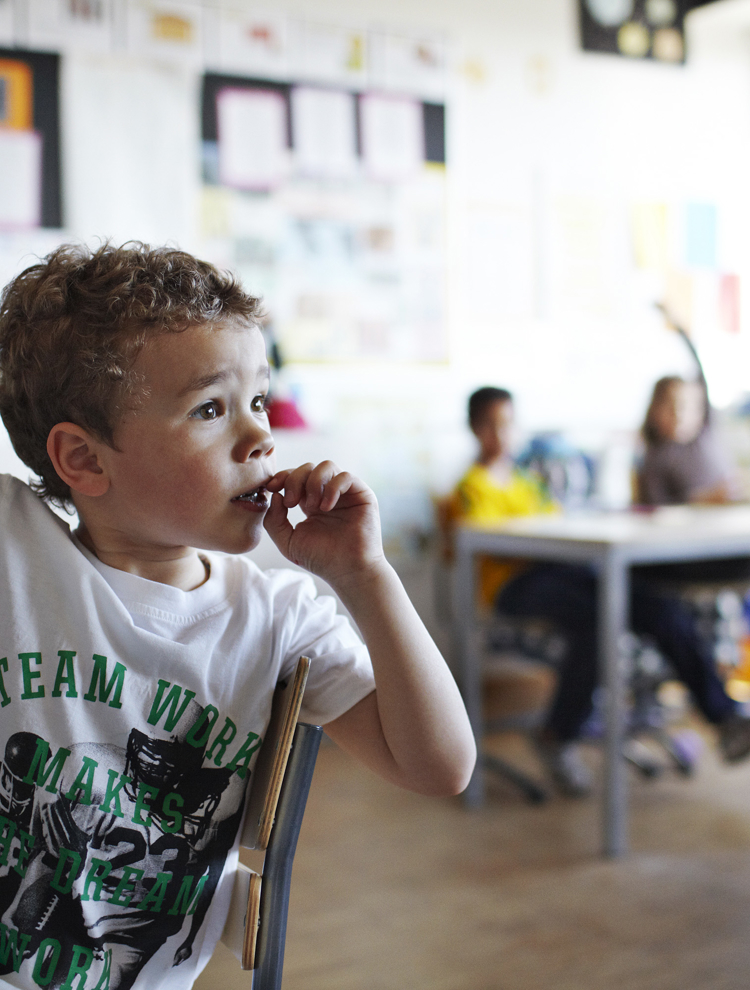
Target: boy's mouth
(257, 497)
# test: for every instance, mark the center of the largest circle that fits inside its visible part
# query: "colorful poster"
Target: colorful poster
(252, 131)
(324, 132)
(16, 94)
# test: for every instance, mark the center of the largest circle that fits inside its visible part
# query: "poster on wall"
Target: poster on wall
(361, 272)
(641, 29)
(329, 53)
(166, 30)
(405, 64)
(29, 128)
(71, 24)
(347, 248)
(251, 42)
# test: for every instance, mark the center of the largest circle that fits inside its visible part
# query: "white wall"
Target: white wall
(545, 143)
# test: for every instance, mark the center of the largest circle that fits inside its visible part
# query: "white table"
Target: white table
(611, 542)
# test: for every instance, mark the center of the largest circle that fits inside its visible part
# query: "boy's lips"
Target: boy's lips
(255, 498)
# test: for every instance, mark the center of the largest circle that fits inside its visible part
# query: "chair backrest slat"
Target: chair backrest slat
(277, 870)
(268, 773)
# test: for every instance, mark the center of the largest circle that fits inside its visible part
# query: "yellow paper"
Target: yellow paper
(649, 232)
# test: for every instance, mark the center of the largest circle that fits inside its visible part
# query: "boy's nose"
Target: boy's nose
(255, 442)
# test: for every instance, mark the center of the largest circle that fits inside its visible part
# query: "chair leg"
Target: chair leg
(534, 792)
(682, 750)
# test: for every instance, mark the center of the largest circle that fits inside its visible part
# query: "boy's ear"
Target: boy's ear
(73, 452)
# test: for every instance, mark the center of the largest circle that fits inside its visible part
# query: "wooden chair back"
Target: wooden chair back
(256, 927)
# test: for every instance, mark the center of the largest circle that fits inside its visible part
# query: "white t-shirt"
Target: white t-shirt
(130, 716)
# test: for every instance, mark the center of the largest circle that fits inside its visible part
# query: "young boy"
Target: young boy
(494, 489)
(140, 653)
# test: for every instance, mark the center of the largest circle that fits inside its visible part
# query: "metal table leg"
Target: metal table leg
(613, 616)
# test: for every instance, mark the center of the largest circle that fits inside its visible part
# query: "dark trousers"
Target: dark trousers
(566, 595)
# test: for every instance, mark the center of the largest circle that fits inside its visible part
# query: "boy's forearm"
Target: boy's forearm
(425, 729)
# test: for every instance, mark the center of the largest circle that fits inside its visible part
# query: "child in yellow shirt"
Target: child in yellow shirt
(494, 489)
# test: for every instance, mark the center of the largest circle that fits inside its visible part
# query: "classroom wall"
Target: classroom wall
(550, 151)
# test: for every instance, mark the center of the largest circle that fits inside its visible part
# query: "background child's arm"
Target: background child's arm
(413, 730)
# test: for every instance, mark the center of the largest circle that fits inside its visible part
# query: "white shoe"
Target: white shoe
(565, 766)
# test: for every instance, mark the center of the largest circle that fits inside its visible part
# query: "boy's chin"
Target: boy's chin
(240, 544)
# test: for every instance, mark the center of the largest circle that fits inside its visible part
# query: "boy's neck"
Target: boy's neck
(500, 467)
(180, 567)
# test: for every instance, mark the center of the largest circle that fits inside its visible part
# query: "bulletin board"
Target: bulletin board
(30, 193)
(330, 204)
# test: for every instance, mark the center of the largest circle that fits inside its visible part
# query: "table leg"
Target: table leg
(613, 617)
(468, 670)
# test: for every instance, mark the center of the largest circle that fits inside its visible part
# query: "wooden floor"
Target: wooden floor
(393, 891)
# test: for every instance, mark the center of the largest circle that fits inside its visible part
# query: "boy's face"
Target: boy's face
(494, 430)
(194, 454)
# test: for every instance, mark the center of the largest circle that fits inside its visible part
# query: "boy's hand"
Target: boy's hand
(339, 540)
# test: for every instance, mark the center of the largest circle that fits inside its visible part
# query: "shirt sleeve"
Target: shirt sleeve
(340, 672)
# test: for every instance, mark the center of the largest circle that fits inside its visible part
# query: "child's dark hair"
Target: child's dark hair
(72, 326)
(482, 399)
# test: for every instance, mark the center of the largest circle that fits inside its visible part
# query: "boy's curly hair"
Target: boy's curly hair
(72, 326)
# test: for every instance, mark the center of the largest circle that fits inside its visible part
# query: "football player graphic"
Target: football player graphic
(16, 805)
(126, 856)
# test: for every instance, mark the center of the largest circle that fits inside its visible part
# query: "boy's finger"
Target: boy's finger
(319, 477)
(276, 483)
(277, 525)
(336, 487)
(294, 485)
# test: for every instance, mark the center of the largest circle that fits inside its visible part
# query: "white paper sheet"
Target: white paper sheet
(252, 128)
(20, 179)
(6, 22)
(324, 132)
(392, 137)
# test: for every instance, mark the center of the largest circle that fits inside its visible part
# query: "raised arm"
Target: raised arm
(413, 729)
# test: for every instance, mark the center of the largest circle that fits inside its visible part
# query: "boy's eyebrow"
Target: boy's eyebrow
(214, 378)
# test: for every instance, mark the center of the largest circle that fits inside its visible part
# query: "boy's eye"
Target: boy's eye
(209, 410)
(258, 404)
